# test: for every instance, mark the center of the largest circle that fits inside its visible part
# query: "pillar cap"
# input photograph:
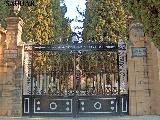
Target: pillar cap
(15, 19)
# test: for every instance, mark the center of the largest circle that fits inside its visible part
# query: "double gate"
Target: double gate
(75, 80)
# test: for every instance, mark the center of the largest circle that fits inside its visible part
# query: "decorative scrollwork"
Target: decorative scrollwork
(122, 68)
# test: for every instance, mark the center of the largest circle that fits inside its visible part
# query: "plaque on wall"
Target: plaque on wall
(139, 52)
(10, 54)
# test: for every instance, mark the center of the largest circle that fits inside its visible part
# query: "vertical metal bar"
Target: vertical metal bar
(111, 85)
(45, 79)
(47, 82)
(103, 73)
(31, 101)
(115, 81)
(58, 75)
(86, 85)
(107, 83)
(74, 76)
(75, 99)
(62, 77)
(55, 81)
(119, 97)
(97, 85)
(67, 76)
(104, 84)
(64, 82)
(93, 87)
(59, 81)
(100, 83)
(51, 73)
(42, 82)
(34, 84)
(39, 81)
(118, 73)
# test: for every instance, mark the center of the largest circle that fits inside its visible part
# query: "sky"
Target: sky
(72, 12)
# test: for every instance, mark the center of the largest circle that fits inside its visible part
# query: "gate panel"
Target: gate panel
(47, 105)
(54, 76)
(98, 73)
(85, 105)
(75, 83)
(98, 105)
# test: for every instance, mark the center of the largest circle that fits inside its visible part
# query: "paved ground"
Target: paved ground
(150, 117)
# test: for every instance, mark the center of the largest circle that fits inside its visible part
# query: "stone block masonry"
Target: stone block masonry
(143, 75)
(143, 72)
(11, 69)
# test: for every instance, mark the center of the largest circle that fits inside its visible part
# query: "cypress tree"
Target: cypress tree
(148, 13)
(106, 20)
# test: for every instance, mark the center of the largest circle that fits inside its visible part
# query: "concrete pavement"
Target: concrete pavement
(147, 117)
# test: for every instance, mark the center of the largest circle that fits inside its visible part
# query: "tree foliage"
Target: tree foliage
(147, 12)
(38, 21)
(4, 12)
(45, 24)
(105, 20)
(62, 29)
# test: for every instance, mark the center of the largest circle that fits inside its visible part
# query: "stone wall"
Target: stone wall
(10, 96)
(11, 69)
(155, 77)
(143, 74)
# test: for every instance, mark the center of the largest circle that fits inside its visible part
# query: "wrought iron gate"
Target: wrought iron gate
(75, 80)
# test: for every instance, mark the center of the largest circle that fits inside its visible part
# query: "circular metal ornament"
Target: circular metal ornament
(53, 106)
(97, 105)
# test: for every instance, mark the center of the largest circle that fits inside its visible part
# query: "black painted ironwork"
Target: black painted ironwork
(108, 46)
(73, 79)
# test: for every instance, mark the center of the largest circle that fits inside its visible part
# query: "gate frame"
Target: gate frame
(75, 48)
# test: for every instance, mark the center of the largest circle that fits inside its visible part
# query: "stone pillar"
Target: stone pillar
(14, 31)
(138, 74)
(11, 71)
(2, 70)
(2, 43)
(154, 73)
(157, 83)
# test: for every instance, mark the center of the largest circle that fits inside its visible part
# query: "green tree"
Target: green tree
(62, 29)
(38, 21)
(106, 20)
(4, 12)
(45, 24)
(148, 13)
